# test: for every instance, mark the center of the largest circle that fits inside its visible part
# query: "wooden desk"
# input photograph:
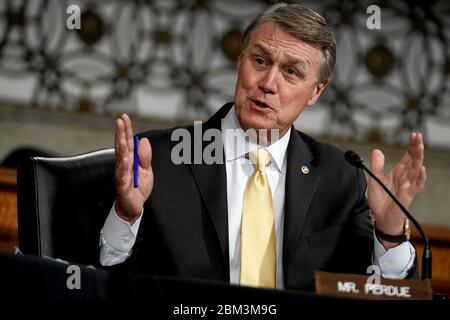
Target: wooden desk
(8, 209)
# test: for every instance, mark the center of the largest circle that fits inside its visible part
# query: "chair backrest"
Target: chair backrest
(63, 203)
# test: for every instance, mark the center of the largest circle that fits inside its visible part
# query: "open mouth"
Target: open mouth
(260, 104)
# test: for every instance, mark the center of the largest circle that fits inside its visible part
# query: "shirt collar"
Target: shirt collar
(236, 145)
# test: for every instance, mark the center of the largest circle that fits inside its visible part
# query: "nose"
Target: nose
(268, 83)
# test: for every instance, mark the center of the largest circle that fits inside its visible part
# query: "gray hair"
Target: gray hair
(304, 24)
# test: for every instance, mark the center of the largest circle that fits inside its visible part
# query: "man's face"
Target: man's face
(277, 79)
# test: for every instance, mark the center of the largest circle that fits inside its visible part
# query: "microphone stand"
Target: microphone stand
(354, 159)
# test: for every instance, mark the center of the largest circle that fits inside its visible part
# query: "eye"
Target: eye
(259, 60)
(291, 71)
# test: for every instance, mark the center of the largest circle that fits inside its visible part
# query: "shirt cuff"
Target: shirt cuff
(396, 262)
(118, 233)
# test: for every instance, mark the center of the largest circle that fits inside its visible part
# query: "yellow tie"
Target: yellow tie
(258, 257)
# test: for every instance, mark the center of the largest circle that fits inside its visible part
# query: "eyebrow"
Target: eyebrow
(290, 60)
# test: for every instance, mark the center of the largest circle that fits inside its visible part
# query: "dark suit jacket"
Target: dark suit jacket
(184, 229)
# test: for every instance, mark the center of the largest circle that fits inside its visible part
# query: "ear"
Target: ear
(318, 89)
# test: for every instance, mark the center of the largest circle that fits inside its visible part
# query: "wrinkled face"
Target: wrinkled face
(277, 79)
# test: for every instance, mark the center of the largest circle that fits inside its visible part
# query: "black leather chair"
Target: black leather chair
(16, 156)
(63, 203)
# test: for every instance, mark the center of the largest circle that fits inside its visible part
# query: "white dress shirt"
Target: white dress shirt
(239, 169)
(118, 236)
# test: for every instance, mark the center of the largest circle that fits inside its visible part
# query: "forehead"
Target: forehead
(278, 42)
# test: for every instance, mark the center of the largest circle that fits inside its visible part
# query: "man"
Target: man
(199, 220)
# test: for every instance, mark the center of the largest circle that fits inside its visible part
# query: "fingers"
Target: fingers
(124, 131)
(377, 163)
(145, 153)
(124, 155)
(422, 177)
(417, 150)
(414, 156)
(128, 131)
(122, 158)
(123, 139)
(120, 143)
(418, 154)
(410, 171)
(415, 153)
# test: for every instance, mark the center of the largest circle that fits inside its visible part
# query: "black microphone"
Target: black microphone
(354, 159)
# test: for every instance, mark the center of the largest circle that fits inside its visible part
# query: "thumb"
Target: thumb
(377, 163)
(145, 153)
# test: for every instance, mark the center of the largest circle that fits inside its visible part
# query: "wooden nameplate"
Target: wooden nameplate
(367, 287)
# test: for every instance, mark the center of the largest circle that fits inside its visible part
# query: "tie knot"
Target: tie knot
(261, 158)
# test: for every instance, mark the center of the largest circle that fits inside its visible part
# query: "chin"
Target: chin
(249, 119)
(257, 122)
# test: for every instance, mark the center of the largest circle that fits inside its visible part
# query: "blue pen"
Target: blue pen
(135, 161)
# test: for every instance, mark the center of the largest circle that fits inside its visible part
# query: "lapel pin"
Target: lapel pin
(305, 169)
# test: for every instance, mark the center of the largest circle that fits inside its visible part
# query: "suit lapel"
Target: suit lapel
(300, 188)
(212, 184)
(301, 182)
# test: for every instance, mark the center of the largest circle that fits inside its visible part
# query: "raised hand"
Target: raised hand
(405, 181)
(130, 200)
